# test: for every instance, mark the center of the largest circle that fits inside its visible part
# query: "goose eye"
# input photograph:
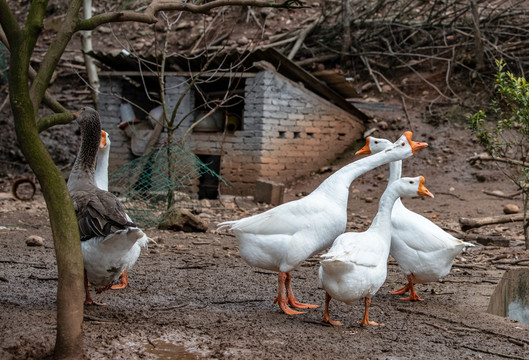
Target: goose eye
(376, 142)
(403, 144)
(412, 182)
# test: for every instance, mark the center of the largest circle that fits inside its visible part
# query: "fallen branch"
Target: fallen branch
(487, 157)
(469, 223)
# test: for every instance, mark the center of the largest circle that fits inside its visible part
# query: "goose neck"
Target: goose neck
(395, 170)
(382, 219)
(346, 175)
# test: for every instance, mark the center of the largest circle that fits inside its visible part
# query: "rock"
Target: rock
(245, 203)
(243, 40)
(511, 209)
(383, 125)
(368, 199)
(182, 220)
(34, 240)
(380, 177)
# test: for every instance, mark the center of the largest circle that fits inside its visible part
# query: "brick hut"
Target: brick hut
(288, 124)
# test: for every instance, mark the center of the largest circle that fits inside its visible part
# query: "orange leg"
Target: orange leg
(292, 300)
(413, 295)
(365, 321)
(281, 298)
(123, 281)
(88, 299)
(326, 317)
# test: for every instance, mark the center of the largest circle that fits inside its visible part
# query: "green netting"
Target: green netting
(148, 184)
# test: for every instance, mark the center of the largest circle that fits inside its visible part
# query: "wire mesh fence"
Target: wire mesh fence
(148, 185)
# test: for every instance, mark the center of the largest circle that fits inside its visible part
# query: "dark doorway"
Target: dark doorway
(208, 187)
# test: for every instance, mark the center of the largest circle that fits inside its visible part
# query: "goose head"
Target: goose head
(410, 187)
(402, 148)
(105, 140)
(374, 145)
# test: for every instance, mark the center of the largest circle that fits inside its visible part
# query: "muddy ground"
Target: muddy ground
(192, 296)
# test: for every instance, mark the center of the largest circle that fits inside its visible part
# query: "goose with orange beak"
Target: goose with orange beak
(423, 250)
(355, 267)
(107, 234)
(282, 238)
(101, 181)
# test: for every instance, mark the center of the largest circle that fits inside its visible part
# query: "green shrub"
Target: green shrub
(506, 137)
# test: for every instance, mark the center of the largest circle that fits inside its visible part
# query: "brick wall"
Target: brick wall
(287, 131)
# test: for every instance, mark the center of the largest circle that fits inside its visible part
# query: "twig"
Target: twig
(440, 327)
(302, 35)
(514, 262)
(450, 194)
(510, 196)
(493, 353)
(34, 277)
(470, 266)
(96, 319)
(172, 307)
(406, 111)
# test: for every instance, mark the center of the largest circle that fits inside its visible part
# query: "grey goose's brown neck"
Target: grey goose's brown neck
(84, 167)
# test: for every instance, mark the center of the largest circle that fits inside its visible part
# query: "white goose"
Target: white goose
(356, 265)
(107, 235)
(281, 238)
(101, 181)
(423, 250)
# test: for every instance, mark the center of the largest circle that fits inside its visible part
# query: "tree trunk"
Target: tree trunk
(86, 37)
(62, 215)
(478, 41)
(347, 39)
(525, 197)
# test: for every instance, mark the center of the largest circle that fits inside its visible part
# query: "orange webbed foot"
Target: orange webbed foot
(402, 290)
(283, 305)
(92, 302)
(123, 282)
(327, 319)
(298, 305)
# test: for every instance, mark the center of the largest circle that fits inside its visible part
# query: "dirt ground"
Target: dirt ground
(192, 296)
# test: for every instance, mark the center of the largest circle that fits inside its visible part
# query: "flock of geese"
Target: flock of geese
(282, 238)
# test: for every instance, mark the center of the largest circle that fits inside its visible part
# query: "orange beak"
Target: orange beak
(103, 141)
(423, 191)
(365, 150)
(415, 146)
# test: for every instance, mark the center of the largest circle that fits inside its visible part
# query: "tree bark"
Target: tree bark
(91, 70)
(62, 215)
